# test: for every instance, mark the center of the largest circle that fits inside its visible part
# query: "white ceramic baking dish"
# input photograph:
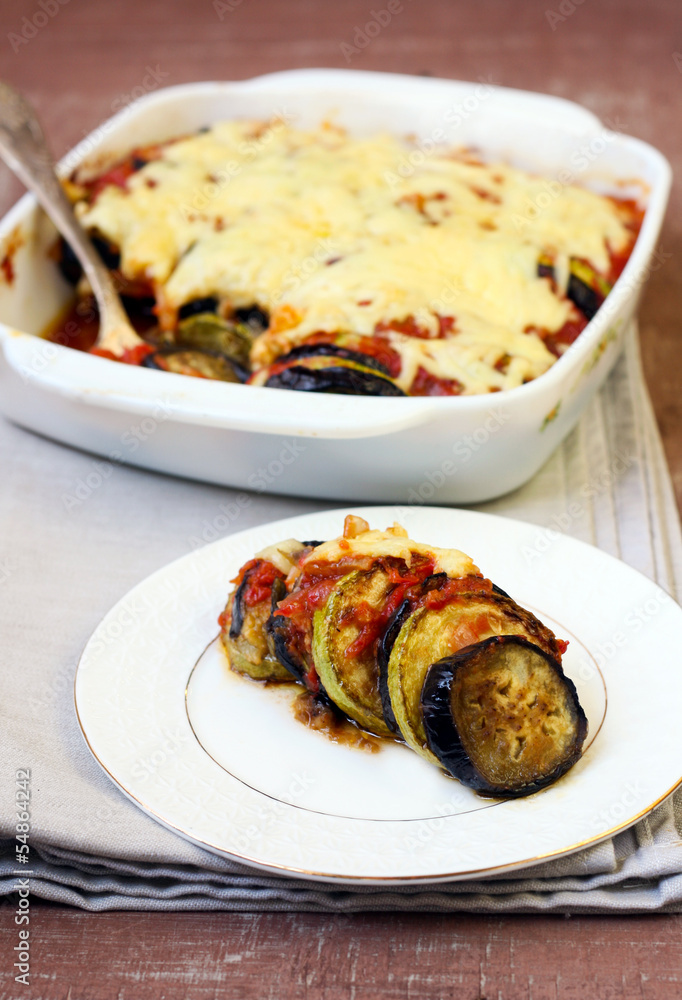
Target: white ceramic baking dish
(440, 450)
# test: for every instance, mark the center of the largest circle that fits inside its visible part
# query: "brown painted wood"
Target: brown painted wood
(617, 57)
(206, 956)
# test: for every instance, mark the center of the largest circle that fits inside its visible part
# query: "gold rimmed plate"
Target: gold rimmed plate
(222, 760)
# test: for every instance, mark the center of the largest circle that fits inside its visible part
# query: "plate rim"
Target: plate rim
(292, 870)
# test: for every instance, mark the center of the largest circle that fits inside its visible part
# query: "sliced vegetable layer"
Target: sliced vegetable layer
(410, 641)
(325, 372)
(345, 642)
(501, 716)
(260, 584)
(243, 622)
(430, 633)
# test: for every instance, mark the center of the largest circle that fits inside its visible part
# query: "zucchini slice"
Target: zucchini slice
(346, 665)
(205, 331)
(502, 717)
(199, 364)
(429, 634)
(243, 632)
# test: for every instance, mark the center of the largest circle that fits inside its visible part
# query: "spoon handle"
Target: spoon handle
(25, 151)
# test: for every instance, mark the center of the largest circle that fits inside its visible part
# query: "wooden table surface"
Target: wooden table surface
(80, 60)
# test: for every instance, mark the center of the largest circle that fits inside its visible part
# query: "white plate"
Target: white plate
(221, 760)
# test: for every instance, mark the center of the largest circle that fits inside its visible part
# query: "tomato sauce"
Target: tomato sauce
(78, 326)
(426, 384)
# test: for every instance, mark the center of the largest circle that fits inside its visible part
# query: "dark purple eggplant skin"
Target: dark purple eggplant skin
(344, 381)
(441, 732)
(206, 305)
(278, 631)
(254, 317)
(331, 350)
(387, 642)
(585, 298)
(581, 295)
(70, 266)
(237, 609)
(545, 271)
(384, 648)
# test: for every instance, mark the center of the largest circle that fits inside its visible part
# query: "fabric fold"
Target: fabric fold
(61, 569)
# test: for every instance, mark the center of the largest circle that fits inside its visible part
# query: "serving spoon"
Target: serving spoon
(25, 151)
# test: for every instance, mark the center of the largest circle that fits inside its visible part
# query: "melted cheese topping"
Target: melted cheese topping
(322, 231)
(393, 542)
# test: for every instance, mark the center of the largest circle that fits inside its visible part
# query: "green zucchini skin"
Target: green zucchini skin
(205, 331)
(198, 364)
(429, 634)
(502, 717)
(352, 682)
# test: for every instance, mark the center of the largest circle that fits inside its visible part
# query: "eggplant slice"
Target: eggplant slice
(334, 374)
(209, 304)
(502, 717)
(333, 351)
(286, 643)
(243, 633)
(586, 287)
(429, 634)
(352, 680)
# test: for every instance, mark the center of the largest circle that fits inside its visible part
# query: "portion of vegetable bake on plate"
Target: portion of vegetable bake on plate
(411, 642)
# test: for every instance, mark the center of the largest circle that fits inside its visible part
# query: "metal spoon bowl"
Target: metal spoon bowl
(25, 151)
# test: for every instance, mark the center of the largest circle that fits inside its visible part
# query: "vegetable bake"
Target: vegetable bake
(312, 260)
(411, 642)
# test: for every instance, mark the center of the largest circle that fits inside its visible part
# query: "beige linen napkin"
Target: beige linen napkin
(63, 565)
